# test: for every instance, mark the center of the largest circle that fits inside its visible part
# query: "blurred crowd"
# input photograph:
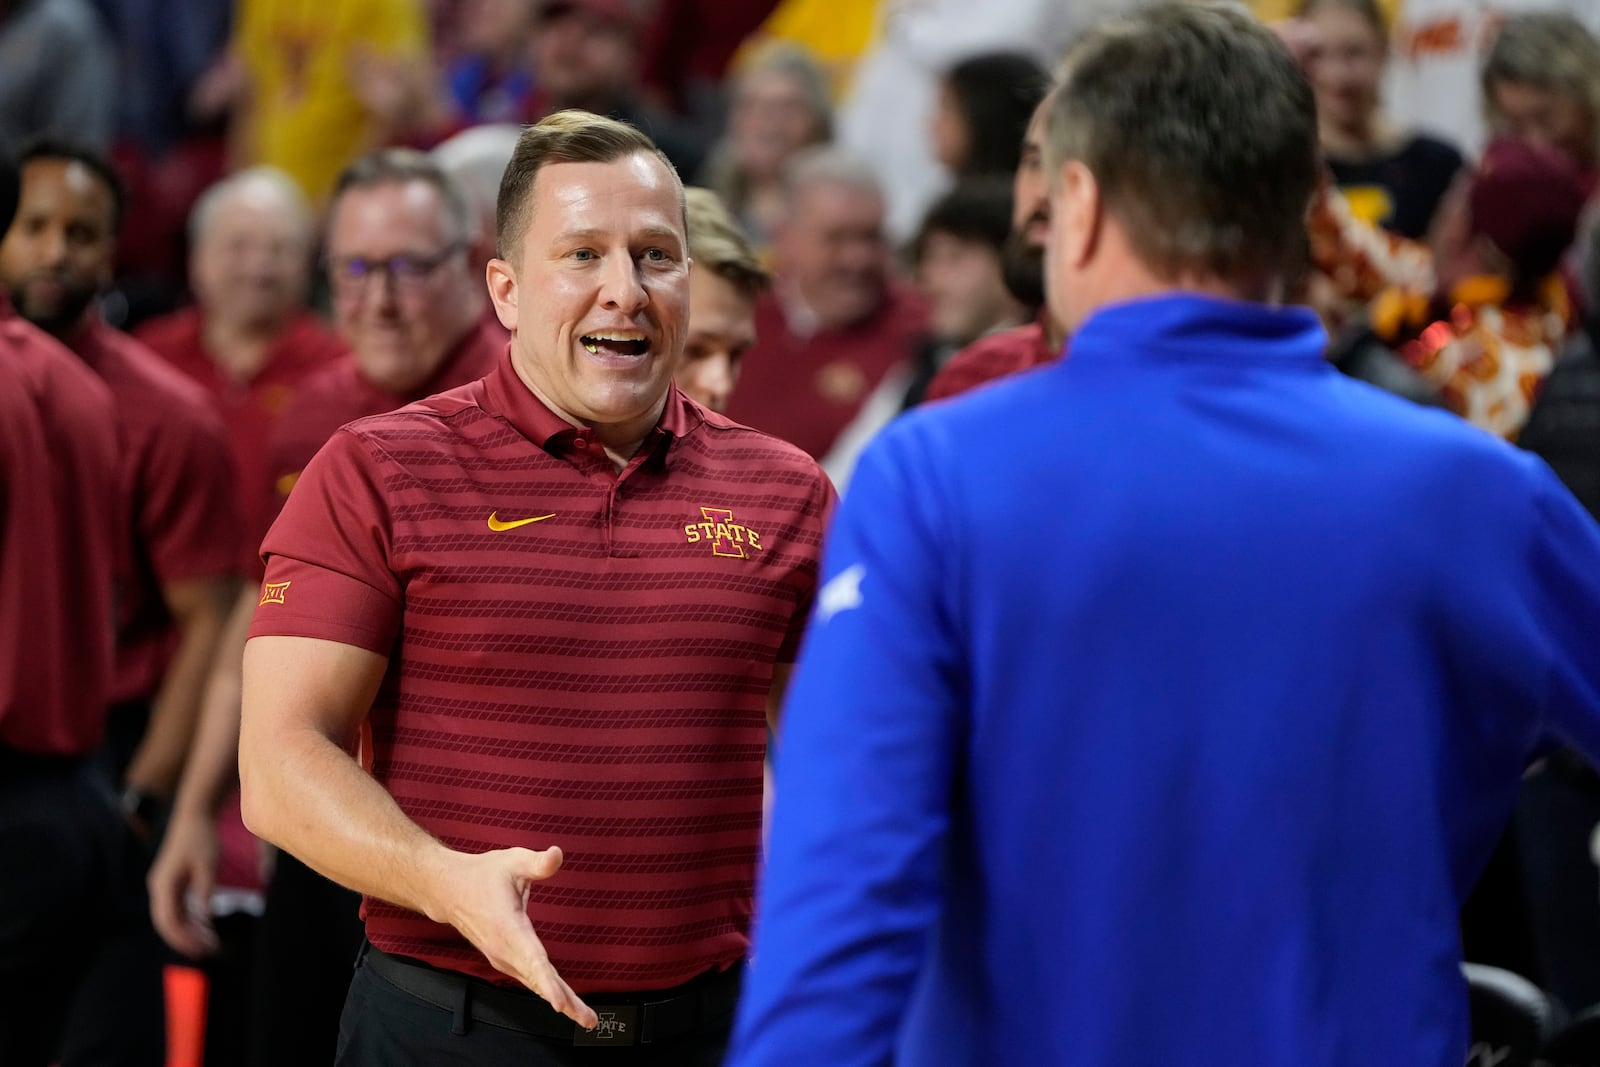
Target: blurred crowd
(259, 219)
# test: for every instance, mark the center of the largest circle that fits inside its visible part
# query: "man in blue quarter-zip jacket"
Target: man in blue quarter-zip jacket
(1162, 705)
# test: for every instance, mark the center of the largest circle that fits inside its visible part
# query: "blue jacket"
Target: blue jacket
(1160, 708)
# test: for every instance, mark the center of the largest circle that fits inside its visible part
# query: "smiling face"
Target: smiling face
(400, 323)
(251, 262)
(58, 253)
(598, 296)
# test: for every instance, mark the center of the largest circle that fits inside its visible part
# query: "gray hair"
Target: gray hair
(1201, 133)
(1546, 50)
(269, 180)
(397, 166)
(476, 158)
(828, 165)
(797, 63)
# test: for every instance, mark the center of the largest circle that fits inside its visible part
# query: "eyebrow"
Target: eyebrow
(652, 233)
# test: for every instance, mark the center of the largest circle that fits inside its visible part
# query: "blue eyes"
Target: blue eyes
(653, 255)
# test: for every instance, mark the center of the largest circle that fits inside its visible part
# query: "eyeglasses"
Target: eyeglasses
(349, 274)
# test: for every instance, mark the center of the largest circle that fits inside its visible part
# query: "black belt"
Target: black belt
(625, 1018)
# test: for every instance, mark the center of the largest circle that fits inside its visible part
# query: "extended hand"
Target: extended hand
(180, 883)
(488, 903)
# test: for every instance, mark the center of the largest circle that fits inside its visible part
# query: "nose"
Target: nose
(620, 286)
(52, 247)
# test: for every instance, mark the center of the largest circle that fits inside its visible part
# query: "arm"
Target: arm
(200, 612)
(776, 693)
(864, 777)
(184, 872)
(304, 700)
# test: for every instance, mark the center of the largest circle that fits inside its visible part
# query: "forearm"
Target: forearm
(213, 763)
(303, 791)
(158, 762)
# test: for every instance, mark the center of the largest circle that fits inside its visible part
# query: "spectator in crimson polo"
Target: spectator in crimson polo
(248, 340)
(727, 281)
(409, 299)
(177, 564)
(558, 604)
(837, 319)
(68, 861)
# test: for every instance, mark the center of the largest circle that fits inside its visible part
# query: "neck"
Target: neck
(1055, 331)
(621, 440)
(239, 347)
(1140, 283)
(1366, 136)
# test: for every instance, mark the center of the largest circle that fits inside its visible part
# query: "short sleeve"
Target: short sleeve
(329, 573)
(188, 509)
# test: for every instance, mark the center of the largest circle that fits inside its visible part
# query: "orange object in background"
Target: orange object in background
(186, 1016)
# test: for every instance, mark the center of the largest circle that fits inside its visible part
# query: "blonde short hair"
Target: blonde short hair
(717, 244)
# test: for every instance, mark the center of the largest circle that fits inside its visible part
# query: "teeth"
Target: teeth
(593, 349)
(623, 336)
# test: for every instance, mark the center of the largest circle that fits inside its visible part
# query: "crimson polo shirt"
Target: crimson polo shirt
(577, 657)
(987, 359)
(178, 484)
(60, 527)
(807, 389)
(338, 394)
(249, 409)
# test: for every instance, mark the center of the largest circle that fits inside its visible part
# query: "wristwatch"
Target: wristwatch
(141, 805)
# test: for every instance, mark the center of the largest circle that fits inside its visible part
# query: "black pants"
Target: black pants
(309, 936)
(386, 1027)
(68, 860)
(118, 1017)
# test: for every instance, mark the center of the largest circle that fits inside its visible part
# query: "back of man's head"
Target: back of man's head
(1200, 131)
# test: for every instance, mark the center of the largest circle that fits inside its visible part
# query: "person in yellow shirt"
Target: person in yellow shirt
(323, 81)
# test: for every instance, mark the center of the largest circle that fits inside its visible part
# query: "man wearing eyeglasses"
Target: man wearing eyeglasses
(412, 308)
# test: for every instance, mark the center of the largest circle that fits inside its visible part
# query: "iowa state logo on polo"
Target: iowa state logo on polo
(274, 593)
(727, 537)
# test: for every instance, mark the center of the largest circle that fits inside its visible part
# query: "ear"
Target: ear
(1076, 202)
(502, 282)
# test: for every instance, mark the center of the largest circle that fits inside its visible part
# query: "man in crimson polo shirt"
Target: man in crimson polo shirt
(554, 607)
(837, 319)
(407, 300)
(178, 562)
(248, 340)
(64, 841)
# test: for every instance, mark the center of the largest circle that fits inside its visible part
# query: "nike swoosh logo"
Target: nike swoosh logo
(498, 526)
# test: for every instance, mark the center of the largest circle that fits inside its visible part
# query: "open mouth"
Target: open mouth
(617, 343)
